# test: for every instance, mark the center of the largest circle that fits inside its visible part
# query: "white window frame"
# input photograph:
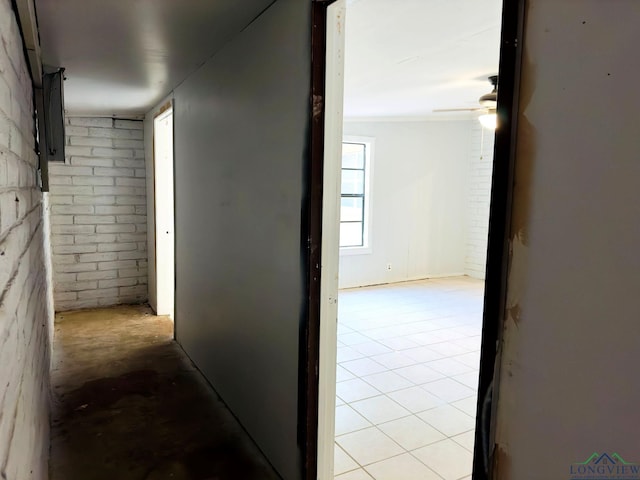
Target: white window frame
(368, 194)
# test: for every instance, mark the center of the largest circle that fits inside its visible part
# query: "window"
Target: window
(354, 194)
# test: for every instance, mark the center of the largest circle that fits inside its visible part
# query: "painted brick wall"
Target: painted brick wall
(481, 165)
(98, 215)
(25, 312)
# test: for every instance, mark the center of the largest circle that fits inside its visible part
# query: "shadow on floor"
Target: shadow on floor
(129, 405)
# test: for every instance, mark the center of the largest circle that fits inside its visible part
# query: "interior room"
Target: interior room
(416, 183)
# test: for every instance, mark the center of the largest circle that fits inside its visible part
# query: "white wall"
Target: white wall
(99, 222)
(479, 200)
(25, 313)
(419, 202)
(571, 338)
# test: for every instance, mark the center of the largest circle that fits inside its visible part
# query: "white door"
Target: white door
(164, 234)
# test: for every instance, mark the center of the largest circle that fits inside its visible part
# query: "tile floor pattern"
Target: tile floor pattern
(407, 376)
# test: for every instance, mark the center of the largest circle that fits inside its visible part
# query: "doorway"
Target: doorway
(484, 335)
(164, 211)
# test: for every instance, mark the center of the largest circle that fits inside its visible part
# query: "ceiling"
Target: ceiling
(124, 56)
(405, 58)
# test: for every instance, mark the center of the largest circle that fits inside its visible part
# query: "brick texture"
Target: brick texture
(98, 215)
(25, 312)
(481, 166)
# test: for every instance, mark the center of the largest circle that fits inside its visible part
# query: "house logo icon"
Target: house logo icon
(604, 466)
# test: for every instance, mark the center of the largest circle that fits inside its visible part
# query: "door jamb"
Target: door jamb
(498, 242)
(511, 39)
(310, 358)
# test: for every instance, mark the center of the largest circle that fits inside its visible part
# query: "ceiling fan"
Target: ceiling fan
(487, 102)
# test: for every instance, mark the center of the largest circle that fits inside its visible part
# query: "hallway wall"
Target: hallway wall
(99, 222)
(25, 308)
(241, 130)
(570, 342)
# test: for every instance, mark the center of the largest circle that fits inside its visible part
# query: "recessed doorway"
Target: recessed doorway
(164, 212)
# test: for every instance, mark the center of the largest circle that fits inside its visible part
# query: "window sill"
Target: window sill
(346, 251)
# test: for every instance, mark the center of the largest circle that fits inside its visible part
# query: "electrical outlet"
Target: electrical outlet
(388, 266)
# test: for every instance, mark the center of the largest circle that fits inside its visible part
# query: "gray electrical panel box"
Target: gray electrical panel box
(50, 127)
(53, 100)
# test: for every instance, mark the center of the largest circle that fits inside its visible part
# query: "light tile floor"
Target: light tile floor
(408, 358)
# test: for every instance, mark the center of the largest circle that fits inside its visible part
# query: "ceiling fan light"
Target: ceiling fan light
(489, 120)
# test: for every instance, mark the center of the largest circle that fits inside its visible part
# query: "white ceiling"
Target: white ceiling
(123, 56)
(405, 58)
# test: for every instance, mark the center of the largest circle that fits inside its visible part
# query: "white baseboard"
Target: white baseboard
(374, 283)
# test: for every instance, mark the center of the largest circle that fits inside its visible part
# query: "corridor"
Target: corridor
(129, 405)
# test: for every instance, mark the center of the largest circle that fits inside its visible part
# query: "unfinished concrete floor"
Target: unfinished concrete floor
(129, 405)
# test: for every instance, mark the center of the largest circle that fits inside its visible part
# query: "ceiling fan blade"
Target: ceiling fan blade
(442, 110)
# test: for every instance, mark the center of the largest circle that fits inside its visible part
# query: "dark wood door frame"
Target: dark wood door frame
(511, 40)
(498, 244)
(310, 332)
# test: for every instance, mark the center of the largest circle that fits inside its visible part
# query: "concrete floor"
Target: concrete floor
(129, 405)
